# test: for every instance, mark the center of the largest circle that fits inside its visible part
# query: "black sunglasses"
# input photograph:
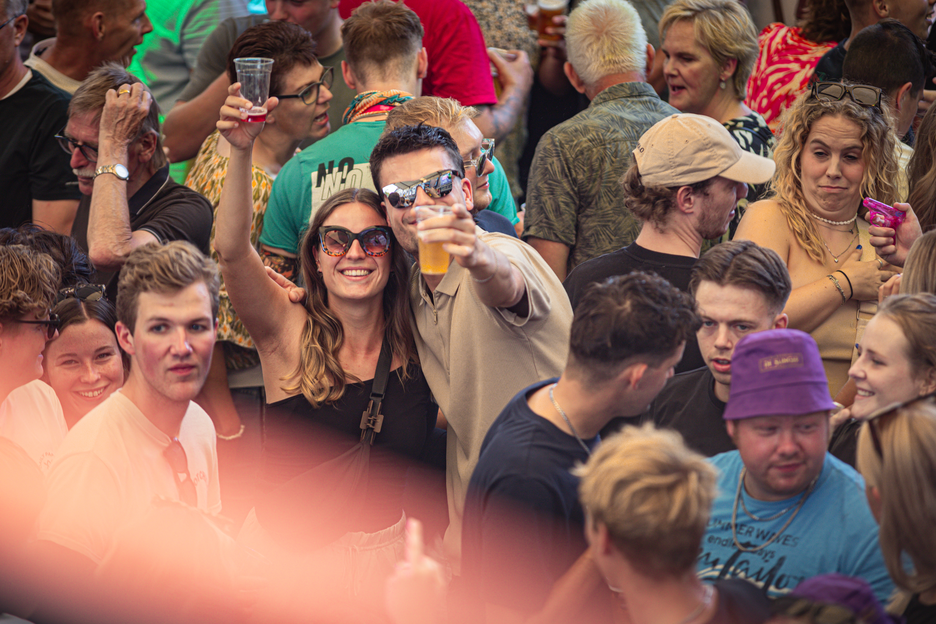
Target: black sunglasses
(85, 292)
(178, 462)
(487, 153)
(69, 144)
(310, 94)
(337, 241)
(864, 95)
(52, 324)
(877, 419)
(435, 185)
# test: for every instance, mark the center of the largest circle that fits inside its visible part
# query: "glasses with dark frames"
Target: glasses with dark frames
(178, 462)
(435, 185)
(487, 153)
(337, 241)
(69, 145)
(864, 95)
(12, 19)
(310, 94)
(52, 324)
(85, 292)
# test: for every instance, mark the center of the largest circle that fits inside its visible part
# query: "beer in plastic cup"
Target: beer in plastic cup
(548, 9)
(253, 74)
(433, 259)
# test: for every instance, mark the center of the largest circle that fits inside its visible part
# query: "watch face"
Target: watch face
(121, 172)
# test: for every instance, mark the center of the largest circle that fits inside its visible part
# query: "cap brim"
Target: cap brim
(750, 169)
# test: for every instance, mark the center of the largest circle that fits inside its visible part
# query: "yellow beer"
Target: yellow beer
(548, 9)
(433, 260)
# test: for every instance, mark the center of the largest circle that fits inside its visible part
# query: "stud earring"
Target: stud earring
(722, 85)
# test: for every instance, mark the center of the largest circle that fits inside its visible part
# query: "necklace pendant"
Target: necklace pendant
(836, 260)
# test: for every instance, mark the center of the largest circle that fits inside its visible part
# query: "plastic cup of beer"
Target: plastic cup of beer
(548, 9)
(253, 74)
(433, 259)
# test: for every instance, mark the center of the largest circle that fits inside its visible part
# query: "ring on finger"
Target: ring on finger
(880, 263)
(122, 91)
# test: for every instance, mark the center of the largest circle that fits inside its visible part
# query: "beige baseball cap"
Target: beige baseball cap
(685, 149)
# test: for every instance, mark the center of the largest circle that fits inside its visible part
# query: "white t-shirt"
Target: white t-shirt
(32, 417)
(110, 468)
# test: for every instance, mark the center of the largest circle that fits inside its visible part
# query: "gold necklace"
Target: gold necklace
(834, 257)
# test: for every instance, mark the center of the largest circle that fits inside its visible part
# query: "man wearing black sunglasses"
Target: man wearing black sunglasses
(494, 323)
(30, 413)
(34, 173)
(386, 64)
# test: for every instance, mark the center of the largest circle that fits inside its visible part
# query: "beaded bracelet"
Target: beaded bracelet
(234, 436)
(838, 287)
(850, 287)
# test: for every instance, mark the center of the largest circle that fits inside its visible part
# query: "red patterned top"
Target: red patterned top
(784, 66)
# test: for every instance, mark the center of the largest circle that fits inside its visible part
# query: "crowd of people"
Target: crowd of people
(681, 371)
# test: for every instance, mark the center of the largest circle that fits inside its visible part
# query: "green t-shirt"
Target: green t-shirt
(502, 201)
(337, 162)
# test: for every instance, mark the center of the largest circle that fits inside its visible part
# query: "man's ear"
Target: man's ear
(347, 75)
(633, 374)
(95, 24)
(686, 199)
(145, 147)
(781, 322)
(577, 83)
(651, 54)
(732, 428)
(469, 196)
(422, 64)
(903, 95)
(124, 338)
(881, 8)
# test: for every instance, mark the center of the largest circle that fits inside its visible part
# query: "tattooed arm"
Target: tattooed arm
(516, 77)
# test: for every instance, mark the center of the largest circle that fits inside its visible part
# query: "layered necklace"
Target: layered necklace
(851, 230)
(734, 515)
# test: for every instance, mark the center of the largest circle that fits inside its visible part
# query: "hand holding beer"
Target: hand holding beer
(444, 232)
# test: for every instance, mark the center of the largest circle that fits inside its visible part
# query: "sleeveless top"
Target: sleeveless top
(297, 438)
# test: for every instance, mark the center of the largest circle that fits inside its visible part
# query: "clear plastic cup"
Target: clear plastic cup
(433, 259)
(254, 76)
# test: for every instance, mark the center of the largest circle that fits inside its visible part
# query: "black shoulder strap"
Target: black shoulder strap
(372, 420)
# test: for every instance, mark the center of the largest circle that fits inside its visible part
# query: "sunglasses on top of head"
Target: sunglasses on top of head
(337, 241)
(435, 185)
(864, 95)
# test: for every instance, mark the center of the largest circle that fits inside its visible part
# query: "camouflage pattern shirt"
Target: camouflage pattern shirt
(574, 195)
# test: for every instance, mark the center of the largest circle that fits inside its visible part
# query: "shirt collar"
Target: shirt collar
(624, 90)
(148, 191)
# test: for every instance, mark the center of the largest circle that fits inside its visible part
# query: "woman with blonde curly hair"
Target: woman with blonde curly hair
(897, 458)
(836, 149)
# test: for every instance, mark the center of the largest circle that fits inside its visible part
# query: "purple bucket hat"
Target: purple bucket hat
(847, 591)
(777, 373)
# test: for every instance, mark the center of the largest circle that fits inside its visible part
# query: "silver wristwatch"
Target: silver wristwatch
(118, 170)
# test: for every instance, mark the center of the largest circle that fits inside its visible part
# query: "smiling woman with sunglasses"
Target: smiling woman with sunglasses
(319, 360)
(836, 149)
(897, 458)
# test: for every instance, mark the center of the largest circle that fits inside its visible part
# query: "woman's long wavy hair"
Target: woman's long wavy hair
(921, 172)
(319, 376)
(877, 154)
(906, 479)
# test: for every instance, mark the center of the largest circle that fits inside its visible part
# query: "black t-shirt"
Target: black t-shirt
(674, 269)
(490, 221)
(523, 523)
(919, 613)
(32, 164)
(162, 207)
(829, 67)
(688, 404)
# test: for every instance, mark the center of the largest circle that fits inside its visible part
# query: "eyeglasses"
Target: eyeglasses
(337, 241)
(69, 144)
(178, 462)
(310, 94)
(52, 324)
(815, 612)
(14, 18)
(876, 420)
(85, 292)
(435, 185)
(487, 153)
(834, 91)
